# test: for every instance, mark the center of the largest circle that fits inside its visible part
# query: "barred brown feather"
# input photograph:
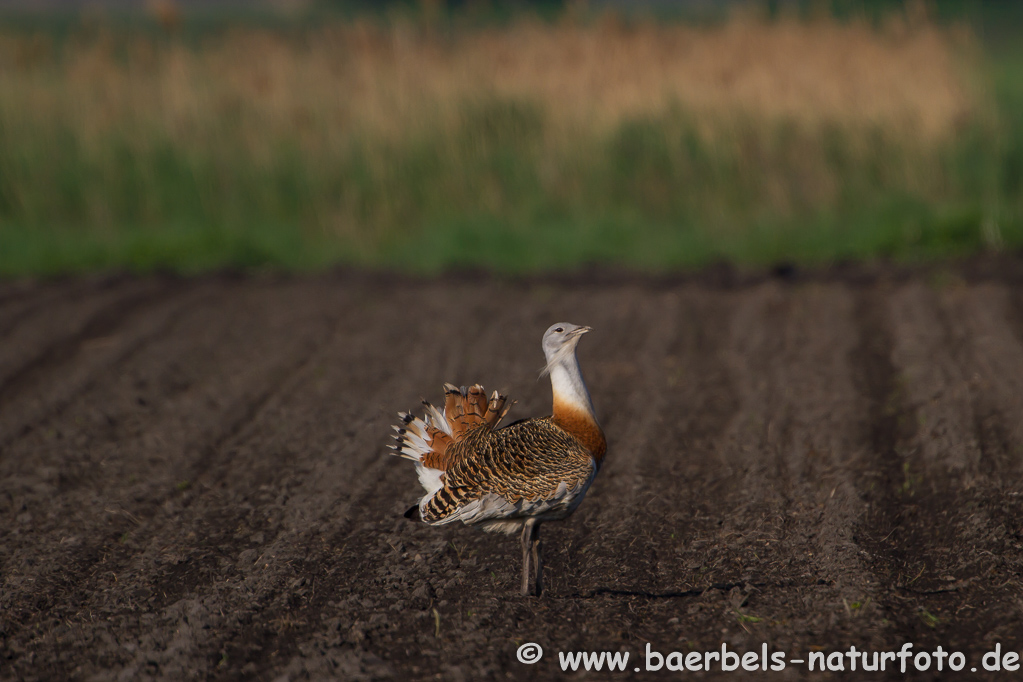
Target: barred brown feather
(527, 460)
(428, 440)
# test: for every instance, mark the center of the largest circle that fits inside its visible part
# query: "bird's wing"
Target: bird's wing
(525, 469)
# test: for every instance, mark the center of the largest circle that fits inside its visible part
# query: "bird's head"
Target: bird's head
(559, 342)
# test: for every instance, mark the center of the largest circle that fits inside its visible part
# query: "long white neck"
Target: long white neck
(569, 388)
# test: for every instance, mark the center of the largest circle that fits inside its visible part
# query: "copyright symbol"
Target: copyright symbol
(529, 653)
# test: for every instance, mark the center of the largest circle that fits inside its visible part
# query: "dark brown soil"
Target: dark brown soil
(193, 483)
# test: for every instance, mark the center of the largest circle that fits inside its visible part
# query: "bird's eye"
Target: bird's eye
(559, 330)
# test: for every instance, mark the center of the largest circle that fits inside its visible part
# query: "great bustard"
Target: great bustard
(514, 478)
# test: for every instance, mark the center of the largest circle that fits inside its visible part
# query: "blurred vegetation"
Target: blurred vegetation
(426, 138)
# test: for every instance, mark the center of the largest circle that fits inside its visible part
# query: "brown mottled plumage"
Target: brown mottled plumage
(508, 479)
(526, 460)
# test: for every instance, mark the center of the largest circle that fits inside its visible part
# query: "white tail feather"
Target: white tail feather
(413, 439)
(430, 479)
(438, 419)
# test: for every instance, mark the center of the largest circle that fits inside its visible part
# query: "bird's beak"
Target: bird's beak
(581, 330)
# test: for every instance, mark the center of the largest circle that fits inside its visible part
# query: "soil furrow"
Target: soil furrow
(56, 384)
(955, 560)
(15, 310)
(890, 425)
(935, 386)
(91, 562)
(979, 322)
(798, 449)
(32, 346)
(654, 331)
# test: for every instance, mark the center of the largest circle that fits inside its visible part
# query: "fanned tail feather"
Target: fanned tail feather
(467, 408)
(426, 441)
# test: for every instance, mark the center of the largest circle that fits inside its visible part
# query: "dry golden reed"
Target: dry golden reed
(914, 78)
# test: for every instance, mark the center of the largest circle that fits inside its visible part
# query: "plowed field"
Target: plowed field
(194, 485)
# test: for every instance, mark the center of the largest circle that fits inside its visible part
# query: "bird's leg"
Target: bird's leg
(527, 536)
(537, 559)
